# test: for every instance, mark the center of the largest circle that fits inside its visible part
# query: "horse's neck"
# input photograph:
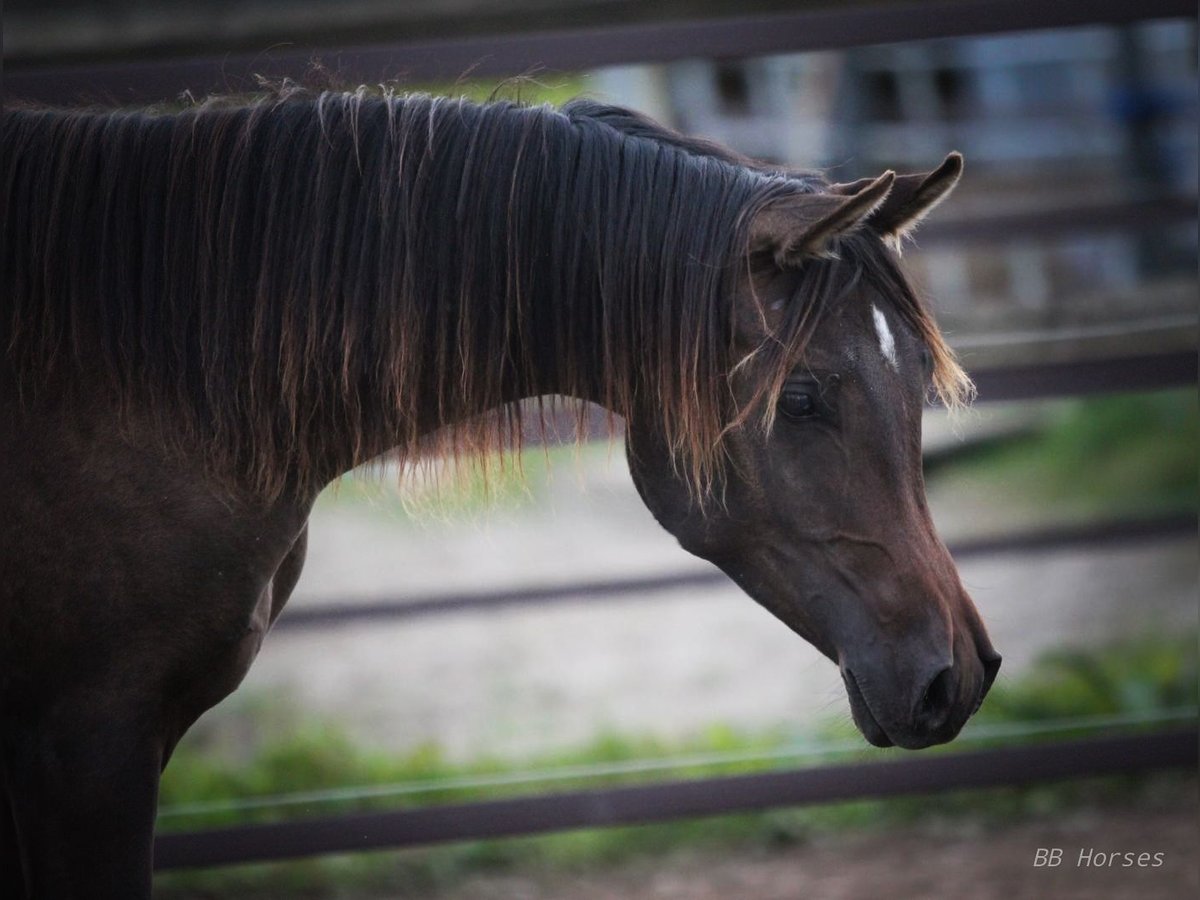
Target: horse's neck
(324, 284)
(502, 311)
(487, 253)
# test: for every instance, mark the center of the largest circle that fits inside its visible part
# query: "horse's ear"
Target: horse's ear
(912, 197)
(804, 225)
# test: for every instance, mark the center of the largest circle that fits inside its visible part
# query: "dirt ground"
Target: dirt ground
(921, 864)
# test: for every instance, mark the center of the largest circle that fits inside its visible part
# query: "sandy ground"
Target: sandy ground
(530, 680)
(917, 864)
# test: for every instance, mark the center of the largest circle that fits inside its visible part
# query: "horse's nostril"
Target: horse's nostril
(938, 696)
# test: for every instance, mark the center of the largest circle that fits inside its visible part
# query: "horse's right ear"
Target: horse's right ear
(803, 226)
(912, 197)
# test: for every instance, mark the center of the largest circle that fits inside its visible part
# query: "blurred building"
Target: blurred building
(1057, 119)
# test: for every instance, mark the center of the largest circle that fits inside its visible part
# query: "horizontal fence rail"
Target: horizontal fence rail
(1130, 216)
(642, 804)
(1144, 372)
(1034, 541)
(572, 50)
(803, 752)
(1009, 383)
(1032, 381)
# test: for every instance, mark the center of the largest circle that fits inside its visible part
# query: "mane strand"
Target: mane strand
(301, 283)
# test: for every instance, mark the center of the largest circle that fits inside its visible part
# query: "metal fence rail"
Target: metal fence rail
(333, 612)
(642, 804)
(1009, 383)
(1085, 377)
(573, 50)
(1092, 218)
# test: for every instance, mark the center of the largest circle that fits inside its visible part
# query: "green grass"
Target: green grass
(534, 89)
(1124, 454)
(1139, 677)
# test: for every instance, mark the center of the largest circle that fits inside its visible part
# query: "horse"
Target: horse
(211, 313)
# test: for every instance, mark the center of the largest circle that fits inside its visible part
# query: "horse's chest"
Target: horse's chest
(119, 565)
(218, 661)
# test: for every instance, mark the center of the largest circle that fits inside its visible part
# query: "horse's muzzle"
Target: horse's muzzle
(932, 711)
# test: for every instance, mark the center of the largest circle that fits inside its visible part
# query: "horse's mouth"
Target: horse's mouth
(861, 711)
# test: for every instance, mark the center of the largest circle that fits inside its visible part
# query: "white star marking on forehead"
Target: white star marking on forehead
(887, 343)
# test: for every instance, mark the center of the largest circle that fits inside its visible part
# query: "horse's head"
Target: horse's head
(820, 514)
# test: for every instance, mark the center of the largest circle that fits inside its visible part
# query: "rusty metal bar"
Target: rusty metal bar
(1046, 540)
(1086, 377)
(1133, 216)
(151, 81)
(1142, 372)
(679, 799)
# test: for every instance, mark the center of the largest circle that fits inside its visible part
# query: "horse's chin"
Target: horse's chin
(861, 712)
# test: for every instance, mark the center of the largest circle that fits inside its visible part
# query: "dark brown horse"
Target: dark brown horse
(209, 315)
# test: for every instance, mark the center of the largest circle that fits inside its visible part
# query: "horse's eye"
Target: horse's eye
(926, 362)
(797, 404)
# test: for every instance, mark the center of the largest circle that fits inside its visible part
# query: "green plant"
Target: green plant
(1143, 676)
(1119, 454)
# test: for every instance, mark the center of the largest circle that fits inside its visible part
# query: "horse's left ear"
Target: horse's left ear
(801, 226)
(911, 198)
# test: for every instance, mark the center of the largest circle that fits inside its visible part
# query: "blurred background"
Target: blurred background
(541, 633)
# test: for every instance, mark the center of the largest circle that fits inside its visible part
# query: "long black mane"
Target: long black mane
(281, 276)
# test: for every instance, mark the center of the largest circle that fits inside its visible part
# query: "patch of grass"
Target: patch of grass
(555, 89)
(1135, 677)
(311, 755)
(1144, 675)
(1121, 454)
